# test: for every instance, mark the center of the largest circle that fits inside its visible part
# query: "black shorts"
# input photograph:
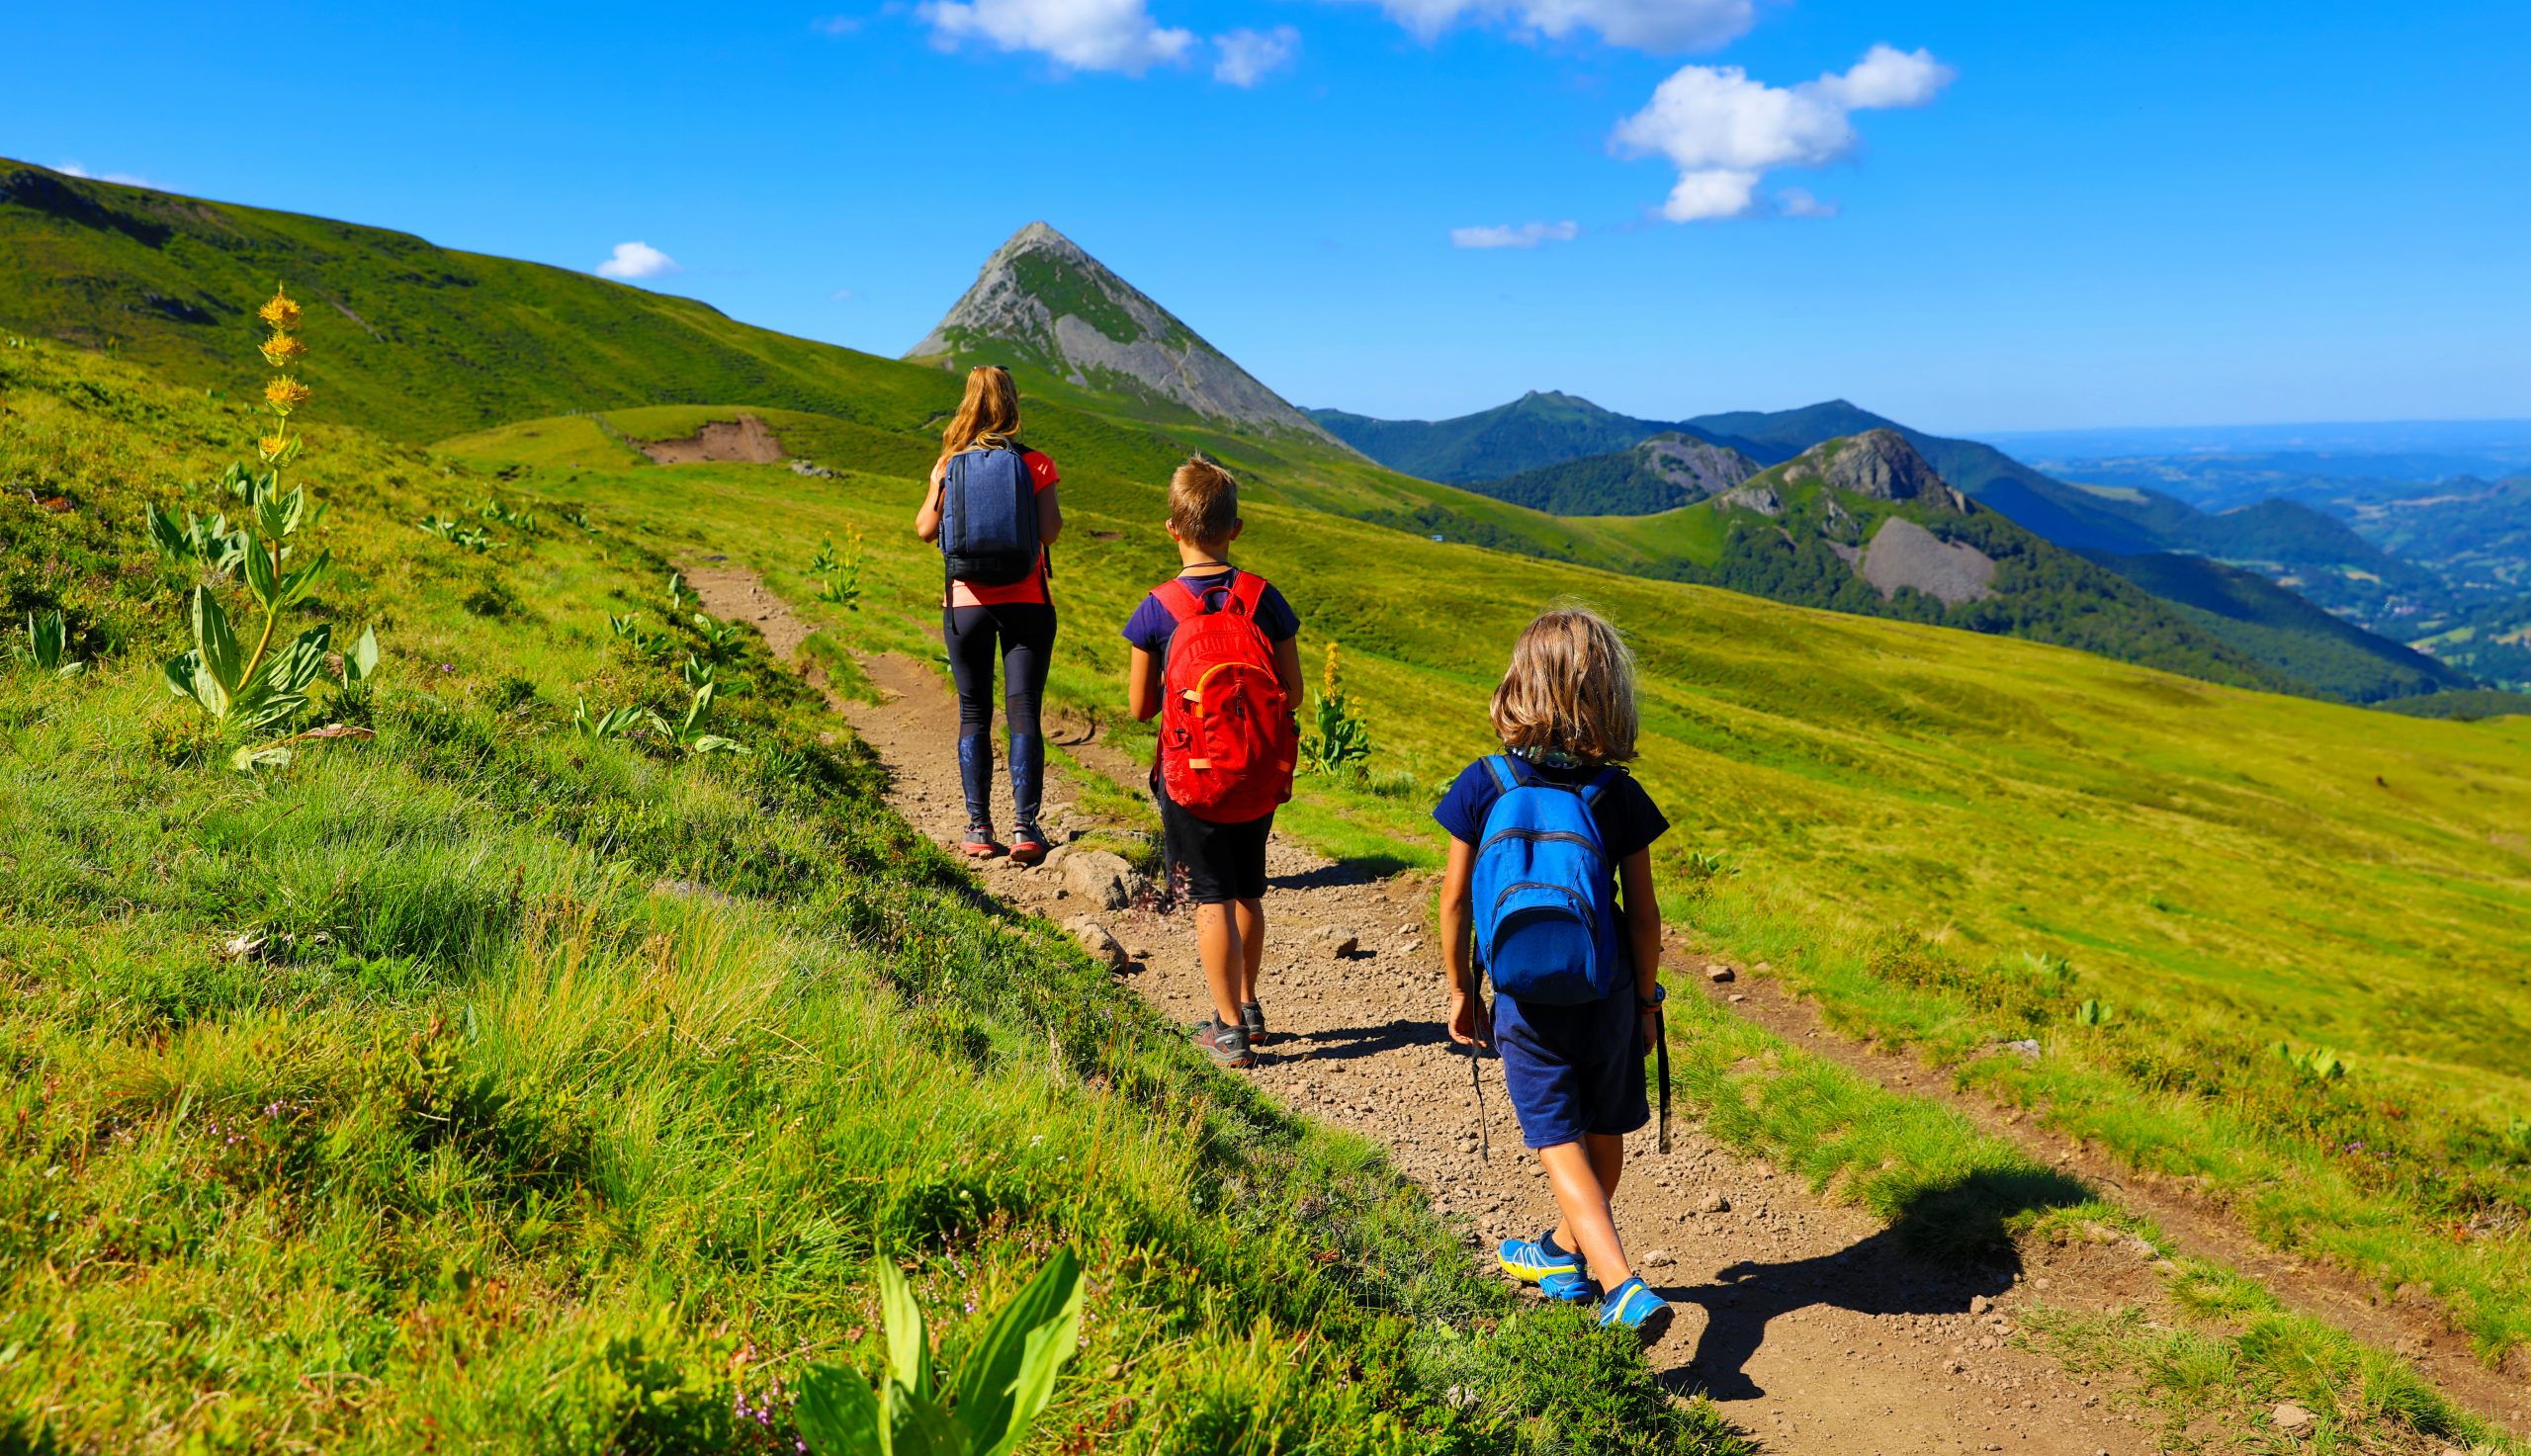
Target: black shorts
(1222, 862)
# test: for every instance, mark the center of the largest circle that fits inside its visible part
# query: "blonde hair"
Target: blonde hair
(1203, 501)
(1570, 689)
(990, 412)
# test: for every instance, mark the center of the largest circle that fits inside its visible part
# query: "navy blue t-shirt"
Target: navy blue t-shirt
(1152, 622)
(1628, 817)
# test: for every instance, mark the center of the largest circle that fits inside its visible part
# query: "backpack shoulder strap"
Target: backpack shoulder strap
(1506, 777)
(1599, 782)
(1247, 589)
(1180, 600)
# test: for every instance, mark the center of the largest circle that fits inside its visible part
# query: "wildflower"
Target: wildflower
(281, 312)
(286, 394)
(270, 447)
(281, 351)
(1332, 676)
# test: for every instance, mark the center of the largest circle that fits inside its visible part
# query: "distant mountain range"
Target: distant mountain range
(2155, 540)
(1828, 507)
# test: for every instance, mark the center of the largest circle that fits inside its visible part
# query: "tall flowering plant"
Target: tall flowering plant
(251, 691)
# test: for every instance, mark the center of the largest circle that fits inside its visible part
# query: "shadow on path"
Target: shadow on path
(1947, 1246)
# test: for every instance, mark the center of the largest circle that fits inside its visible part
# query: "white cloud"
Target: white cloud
(1527, 236)
(120, 179)
(1725, 131)
(1082, 35)
(836, 25)
(1796, 202)
(1640, 25)
(637, 260)
(839, 295)
(1249, 57)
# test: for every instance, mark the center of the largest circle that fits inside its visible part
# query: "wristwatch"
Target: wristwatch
(1659, 995)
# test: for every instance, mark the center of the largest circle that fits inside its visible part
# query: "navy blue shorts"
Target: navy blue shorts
(1573, 1069)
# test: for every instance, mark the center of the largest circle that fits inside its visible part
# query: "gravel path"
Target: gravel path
(1795, 1315)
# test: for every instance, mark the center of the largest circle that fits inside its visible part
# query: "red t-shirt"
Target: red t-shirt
(1032, 588)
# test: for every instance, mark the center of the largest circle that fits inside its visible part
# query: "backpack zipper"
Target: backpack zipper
(1544, 836)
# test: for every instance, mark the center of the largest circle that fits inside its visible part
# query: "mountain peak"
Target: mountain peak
(1877, 464)
(1041, 301)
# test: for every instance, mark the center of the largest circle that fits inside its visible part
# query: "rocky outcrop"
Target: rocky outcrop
(1904, 554)
(1877, 464)
(1698, 467)
(1760, 499)
(1041, 299)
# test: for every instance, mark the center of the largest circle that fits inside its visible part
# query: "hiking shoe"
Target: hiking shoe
(979, 844)
(1027, 845)
(1534, 1260)
(1226, 1045)
(1634, 1306)
(1252, 1020)
(1560, 1276)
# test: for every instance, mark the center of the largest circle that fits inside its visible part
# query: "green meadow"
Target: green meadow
(490, 1086)
(2268, 945)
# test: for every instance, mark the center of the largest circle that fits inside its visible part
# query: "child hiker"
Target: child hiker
(1216, 657)
(1550, 880)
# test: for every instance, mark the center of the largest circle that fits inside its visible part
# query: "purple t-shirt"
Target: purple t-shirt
(1152, 622)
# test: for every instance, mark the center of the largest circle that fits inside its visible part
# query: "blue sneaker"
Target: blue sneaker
(1633, 1306)
(1557, 1274)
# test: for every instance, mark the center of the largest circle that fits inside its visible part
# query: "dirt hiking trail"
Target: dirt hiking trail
(746, 438)
(1795, 1314)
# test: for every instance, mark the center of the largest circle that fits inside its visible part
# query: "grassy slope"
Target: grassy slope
(1916, 823)
(484, 1085)
(2286, 630)
(443, 341)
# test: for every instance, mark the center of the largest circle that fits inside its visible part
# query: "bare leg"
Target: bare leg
(1583, 1175)
(1217, 944)
(1251, 945)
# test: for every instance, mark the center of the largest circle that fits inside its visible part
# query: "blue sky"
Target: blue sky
(2041, 215)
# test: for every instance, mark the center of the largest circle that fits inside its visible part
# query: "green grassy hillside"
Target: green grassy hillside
(2288, 633)
(491, 1086)
(434, 342)
(1954, 840)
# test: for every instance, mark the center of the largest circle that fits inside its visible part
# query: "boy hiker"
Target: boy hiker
(1216, 657)
(1542, 840)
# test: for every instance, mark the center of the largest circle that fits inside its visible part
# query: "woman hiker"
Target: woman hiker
(991, 508)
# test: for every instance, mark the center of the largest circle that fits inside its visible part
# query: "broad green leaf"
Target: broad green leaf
(298, 584)
(715, 743)
(1012, 1375)
(919, 1427)
(251, 757)
(260, 581)
(293, 667)
(838, 1412)
(180, 670)
(215, 643)
(909, 1343)
(361, 663)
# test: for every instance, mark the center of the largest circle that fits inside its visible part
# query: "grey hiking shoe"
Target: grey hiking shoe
(1226, 1045)
(1252, 1020)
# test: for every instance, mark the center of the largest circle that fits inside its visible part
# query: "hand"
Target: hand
(1465, 1027)
(1651, 1029)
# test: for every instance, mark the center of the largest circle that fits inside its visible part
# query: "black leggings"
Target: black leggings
(1026, 634)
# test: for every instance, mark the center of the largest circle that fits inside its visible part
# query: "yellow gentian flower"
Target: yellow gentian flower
(282, 314)
(281, 351)
(286, 394)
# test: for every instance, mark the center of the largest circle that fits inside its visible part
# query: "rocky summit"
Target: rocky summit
(1876, 464)
(1041, 300)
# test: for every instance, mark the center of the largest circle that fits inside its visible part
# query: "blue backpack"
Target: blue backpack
(989, 517)
(1545, 925)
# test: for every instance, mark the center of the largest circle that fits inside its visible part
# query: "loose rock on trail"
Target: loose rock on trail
(1795, 1314)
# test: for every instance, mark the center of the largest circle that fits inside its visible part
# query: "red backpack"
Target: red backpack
(1227, 738)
